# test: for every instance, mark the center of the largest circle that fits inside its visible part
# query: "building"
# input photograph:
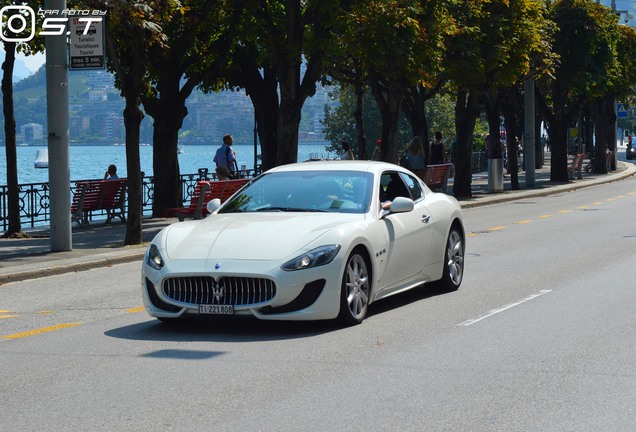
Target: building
(31, 132)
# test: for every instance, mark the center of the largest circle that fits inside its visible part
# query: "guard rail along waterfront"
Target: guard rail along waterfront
(35, 206)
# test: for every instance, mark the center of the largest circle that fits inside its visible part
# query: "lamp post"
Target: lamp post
(58, 136)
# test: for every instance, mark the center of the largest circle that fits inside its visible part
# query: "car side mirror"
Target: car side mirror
(401, 205)
(213, 205)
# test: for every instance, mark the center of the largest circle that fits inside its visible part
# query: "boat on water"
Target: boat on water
(180, 150)
(41, 159)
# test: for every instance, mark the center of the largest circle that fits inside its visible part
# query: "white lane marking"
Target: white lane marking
(503, 308)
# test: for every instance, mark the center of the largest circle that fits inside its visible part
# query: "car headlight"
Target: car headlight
(316, 257)
(153, 258)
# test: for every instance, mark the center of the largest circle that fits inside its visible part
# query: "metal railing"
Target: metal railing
(35, 206)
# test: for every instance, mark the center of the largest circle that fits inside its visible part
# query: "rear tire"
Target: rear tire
(453, 261)
(355, 290)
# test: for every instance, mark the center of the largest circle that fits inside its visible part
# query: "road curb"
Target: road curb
(507, 196)
(54, 270)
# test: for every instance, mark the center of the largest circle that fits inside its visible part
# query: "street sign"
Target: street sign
(621, 112)
(86, 47)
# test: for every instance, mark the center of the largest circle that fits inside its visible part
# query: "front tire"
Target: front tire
(453, 261)
(355, 290)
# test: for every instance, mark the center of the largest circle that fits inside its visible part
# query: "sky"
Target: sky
(33, 62)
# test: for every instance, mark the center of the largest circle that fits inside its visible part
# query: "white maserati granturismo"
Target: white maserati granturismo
(308, 241)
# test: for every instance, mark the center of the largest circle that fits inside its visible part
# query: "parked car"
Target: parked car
(308, 241)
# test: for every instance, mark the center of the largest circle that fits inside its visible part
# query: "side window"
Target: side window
(393, 186)
(413, 186)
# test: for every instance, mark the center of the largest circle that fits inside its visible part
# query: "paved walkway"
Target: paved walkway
(103, 245)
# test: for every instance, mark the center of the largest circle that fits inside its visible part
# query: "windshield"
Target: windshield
(305, 191)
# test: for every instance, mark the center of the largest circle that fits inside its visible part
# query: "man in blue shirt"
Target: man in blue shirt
(225, 155)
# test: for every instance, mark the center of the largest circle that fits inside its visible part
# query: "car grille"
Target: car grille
(236, 291)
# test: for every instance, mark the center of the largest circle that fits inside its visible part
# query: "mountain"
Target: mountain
(20, 69)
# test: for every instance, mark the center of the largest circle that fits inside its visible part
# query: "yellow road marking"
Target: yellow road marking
(621, 196)
(583, 207)
(525, 221)
(611, 199)
(5, 311)
(44, 312)
(8, 316)
(597, 203)
(497, 228)
(40, 331)
(472, 235)
(565, 211)
(141, 308)
(545, 216)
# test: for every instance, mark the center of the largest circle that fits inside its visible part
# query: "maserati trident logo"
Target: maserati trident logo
(218, 292)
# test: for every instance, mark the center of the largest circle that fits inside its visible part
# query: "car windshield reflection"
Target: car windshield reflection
(305, 191)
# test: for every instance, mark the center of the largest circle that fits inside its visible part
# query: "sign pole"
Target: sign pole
(58, 137)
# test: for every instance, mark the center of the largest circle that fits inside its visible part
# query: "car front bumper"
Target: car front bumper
(252, 288)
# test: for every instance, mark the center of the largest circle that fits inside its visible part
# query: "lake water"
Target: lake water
(90, 162)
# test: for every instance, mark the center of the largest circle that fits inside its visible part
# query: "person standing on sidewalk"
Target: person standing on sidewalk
(437, 150)
(225, 155)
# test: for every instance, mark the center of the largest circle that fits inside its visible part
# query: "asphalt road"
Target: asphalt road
(540, 337)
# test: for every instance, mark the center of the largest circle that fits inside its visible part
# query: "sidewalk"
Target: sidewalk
(103, 245)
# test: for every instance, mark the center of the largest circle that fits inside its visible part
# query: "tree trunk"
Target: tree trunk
(291, 103)
(466, 112)
(389, 102)
(168, 112)
(414, 108)
(359, 119)
(559, 138)
(491, 107)
(588, 128)
(610, 127)
(165, 162)
(604, 120)
(132, 121)
(510, 121)
(263, 92)
(13, 199)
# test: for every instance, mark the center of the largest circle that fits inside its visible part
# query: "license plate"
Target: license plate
(216, 309)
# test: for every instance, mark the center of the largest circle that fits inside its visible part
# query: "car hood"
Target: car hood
(249, 236)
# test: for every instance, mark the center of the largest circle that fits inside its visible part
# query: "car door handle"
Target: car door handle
(426, 218)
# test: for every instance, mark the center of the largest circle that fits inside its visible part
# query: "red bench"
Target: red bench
(224, 189)
(436, 176)
(194, 210)
(204, 192)
(105, 195)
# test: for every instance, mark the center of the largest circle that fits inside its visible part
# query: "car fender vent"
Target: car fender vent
(156, 301)
(306, 298)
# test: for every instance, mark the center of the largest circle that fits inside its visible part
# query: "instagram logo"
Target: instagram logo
(18, 23)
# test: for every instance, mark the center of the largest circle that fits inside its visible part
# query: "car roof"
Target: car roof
(338, 165)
